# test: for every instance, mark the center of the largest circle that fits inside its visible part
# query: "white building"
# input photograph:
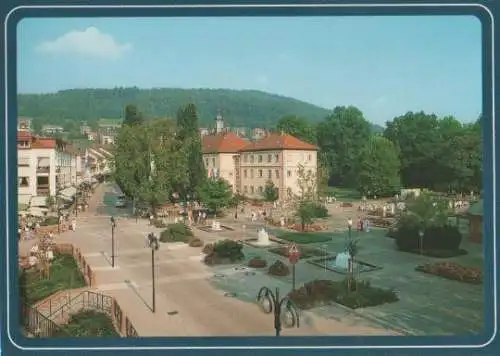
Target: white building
(45, 167)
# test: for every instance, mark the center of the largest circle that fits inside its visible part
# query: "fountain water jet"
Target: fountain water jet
(263, 238)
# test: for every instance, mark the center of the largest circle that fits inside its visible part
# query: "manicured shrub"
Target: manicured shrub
(176, 233)
(50, 220)
(257, 262)
(319, 211)
(360, 295)
(225, 252)
(159, 223)
(278, 268)
(208, 249)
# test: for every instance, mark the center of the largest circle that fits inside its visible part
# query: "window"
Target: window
(260, 158)
(244, 173)
(276, 158)
(309, 172)
(277, 173)
(24, 182)
(269, 158)
(309, 157)
(245, 189)
(245, 158)
(206, 161)
(251, 158)
(289, 173)
(260, 173)
(251, 189)
(269, 174)
(213, 162)
(261, 189)
(251, 173)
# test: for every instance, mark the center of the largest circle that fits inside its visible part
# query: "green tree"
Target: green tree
(149, 161)
(341, 137)
(188, 134)
(297, 127)
(215, 194)
(270, 191)
(305, 212)
(427, 210)
(132, 116)
(378, 168)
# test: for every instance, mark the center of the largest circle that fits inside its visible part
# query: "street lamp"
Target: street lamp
(421, 241)
(153, 243)
(271, 303)
(113, 227)
(349, 228)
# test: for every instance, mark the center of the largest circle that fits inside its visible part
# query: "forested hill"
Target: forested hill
(249, 108)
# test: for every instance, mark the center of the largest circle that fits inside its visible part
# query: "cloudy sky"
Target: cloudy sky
(384, 65)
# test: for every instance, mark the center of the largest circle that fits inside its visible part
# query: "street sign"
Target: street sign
(293, 253)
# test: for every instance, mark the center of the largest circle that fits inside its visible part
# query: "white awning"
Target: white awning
(38, 201)
(68, 192)
(23, 199)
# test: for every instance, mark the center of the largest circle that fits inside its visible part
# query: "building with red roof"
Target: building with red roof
(249, 165)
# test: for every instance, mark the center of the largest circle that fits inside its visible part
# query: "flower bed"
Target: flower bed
(224, 252)
(453, 271)
(323, 292)
(308, 228)
(279, 269)
(257, 262)
(305, 252)
(381, 222)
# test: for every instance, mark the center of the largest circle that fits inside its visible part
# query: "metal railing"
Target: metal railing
(38, 324)
(85, 300)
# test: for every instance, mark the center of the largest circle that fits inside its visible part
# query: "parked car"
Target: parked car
(121, 202)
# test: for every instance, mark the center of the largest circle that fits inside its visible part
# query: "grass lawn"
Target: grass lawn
(303, 237)
(64, 274)
(90, 323)
(344, 194)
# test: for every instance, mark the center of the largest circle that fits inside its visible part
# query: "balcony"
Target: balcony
(43, 169)
(43, 190)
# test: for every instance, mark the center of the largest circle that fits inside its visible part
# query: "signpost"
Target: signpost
(293, 257)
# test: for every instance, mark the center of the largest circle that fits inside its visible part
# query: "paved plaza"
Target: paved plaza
(196, 300)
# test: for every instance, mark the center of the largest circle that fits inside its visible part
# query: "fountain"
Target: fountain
(341, 262)
(216, 226)
(262, 238)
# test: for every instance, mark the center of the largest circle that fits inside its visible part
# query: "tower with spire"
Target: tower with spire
(219, 122)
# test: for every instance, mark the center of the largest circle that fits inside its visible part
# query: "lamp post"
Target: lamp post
(113, 226)
(271, 303)
(421, 241)
(349, 228)
(154, 247)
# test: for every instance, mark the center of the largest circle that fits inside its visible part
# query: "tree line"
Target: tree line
(415, 150)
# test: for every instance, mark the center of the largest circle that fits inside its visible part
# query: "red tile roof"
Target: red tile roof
(226, 142)
(23, 135)
(279, 142)
(41, 142)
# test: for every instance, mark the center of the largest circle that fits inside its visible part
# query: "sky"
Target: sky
(386, 66)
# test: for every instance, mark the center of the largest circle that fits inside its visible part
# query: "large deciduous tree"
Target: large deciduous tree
(188, 134)
(297, 127)
(378, 168)
(150, 162)
(215, 194)
(341, 137)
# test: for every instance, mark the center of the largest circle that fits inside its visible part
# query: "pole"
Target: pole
(113, 245)
(277, 312)
(153, 277)
(293, 277)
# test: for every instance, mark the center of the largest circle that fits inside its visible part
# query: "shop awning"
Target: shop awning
(38, 201)
(68, 192)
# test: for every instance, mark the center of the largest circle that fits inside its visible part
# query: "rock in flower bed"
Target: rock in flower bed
(279, 269)
(257, 262)
(323, 292)
(453, 271)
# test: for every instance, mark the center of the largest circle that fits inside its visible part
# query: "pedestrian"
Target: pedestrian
(236, 214)
(73, 225)
(151, 217)
(147, 241)
(367, 225)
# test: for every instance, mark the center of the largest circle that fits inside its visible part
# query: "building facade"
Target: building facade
(248, 166)
(44, 166)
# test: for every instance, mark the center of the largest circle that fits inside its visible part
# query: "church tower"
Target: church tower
(219, 122)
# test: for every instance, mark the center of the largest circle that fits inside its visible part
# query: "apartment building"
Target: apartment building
(45, 165)
(52, 129)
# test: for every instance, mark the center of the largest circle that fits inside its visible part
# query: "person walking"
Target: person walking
(73, 225)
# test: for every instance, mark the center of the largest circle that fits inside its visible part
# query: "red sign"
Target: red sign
(293, 253)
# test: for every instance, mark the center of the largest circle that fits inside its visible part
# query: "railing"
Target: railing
(86, 300)
(38, 324)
